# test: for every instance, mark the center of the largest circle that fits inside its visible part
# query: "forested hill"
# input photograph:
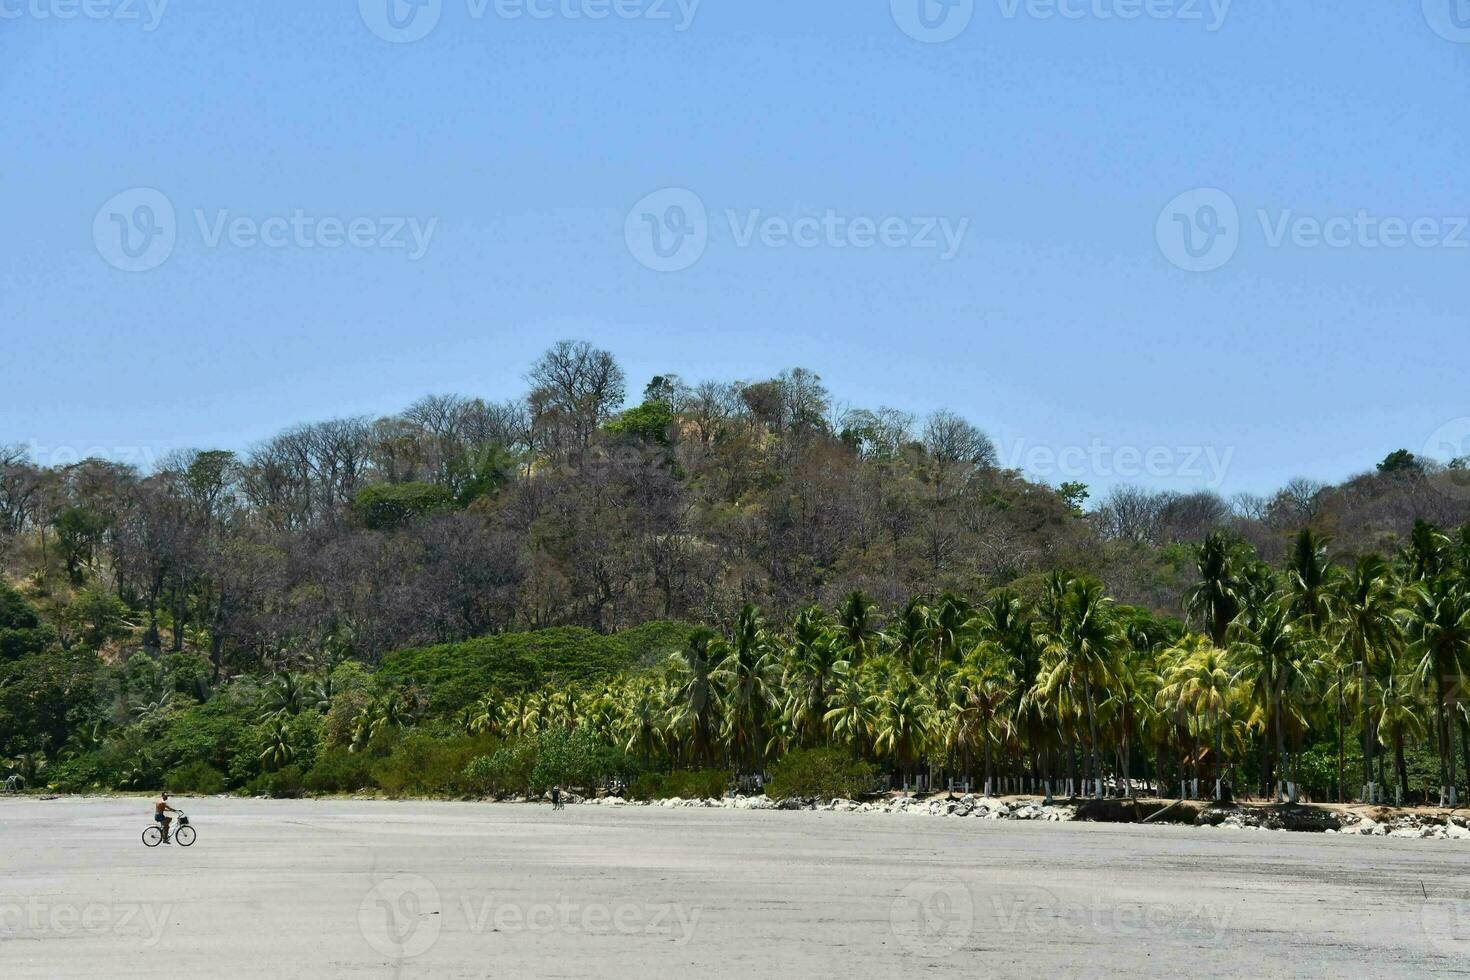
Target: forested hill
(562, 506)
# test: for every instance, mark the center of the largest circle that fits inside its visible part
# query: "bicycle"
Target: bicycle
(184, 833)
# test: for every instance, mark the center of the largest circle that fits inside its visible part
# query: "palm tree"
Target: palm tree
(1400, 716)
(1201, 683)
(1437, 622)
(278, 751)
(851, 719)
(698, 695)
(1132, 696)
(284, 695)
(1426, 555)
(1364, 604)
(1216, 599)
(744, 675)
(1268, 653)
(902, 728)
(486, 716)
(1006, 624)
(642, 727)
(815, 664)
(1309, 579)
(855, 618)
(1082, 651)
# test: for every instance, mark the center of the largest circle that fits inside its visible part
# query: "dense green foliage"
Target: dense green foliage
(823, 774)
(738, 579)
(388, 505)
(21, 631)
(454, 674)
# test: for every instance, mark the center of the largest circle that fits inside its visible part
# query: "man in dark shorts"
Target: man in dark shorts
(556, 797)
(160, 816)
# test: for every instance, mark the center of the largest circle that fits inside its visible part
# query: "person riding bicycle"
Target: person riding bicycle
(159, 815)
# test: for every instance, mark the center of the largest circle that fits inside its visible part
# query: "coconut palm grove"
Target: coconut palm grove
(726, 586)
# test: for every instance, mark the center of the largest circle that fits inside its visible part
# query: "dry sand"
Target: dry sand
(314, 888)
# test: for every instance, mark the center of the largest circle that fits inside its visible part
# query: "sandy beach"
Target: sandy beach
(299, 888)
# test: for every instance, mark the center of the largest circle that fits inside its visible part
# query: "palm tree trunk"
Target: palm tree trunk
(1446, 750)
(1092, 737)
(1368, 738)
(1398, 761)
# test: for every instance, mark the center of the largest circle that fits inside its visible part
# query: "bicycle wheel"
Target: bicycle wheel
(184, 836)
(153, 836)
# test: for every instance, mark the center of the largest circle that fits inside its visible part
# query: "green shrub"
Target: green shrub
(505, 771)
(478, 776)
(339, 771)
(821, 773)
(701, 784)
(577, 758)
(421, 765)
(79, 773)
(283, 784)
(649, 786)
(22, 631)
(388, 505)
(457, 674)
(195, 777)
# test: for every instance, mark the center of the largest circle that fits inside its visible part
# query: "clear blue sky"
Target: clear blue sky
(1061, 321)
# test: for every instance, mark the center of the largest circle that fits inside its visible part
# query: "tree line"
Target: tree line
(347, 540)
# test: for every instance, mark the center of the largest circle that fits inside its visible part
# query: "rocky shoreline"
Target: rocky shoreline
(1379, 822)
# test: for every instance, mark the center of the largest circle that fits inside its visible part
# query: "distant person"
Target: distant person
(161, 809)
(556, 798)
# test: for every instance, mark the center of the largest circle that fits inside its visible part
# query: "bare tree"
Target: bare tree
(576, 387)
(950, 440)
